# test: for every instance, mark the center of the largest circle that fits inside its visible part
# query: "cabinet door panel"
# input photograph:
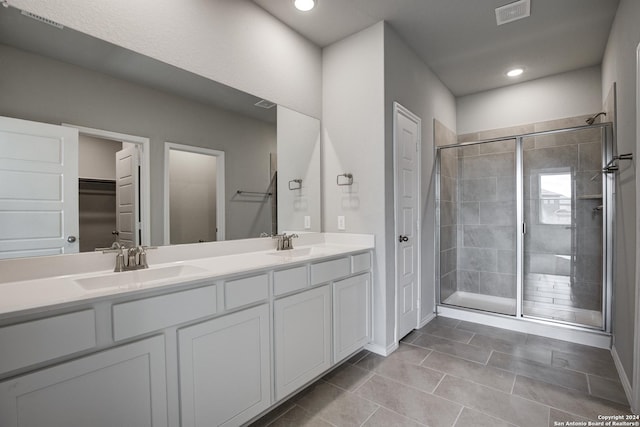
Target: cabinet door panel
(124, 386)
(302, 324)
(351, 315)
(225, 369)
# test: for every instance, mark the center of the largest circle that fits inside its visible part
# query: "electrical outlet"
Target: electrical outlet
(307, 222)
(341, 223)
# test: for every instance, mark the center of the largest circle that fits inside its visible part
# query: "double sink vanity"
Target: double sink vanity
(211, 334)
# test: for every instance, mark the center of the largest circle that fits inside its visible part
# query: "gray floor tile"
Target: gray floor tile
(348, 376)
(489, 331)
(410, 337)
(358, 356)
(406, 353)
(335, 405)
(507, 407)
(601, 366)
(568, 347)
(531, 369)
(271, 416)
(445, 321)
(541, 355)
(557, 416)
(465, 351)
(472, 371)
(422, 407)
(565, 399)
(386, 418)
(409, 374)
(298, 417)
(471, 417)
(447, 332)
(607, 389)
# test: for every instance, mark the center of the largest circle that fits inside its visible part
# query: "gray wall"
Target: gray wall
(39, 89)
(619, 66)
(411, 83)
(563, 95)
(363, 75)
(353, 141)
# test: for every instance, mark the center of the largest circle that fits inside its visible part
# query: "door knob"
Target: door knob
(71, 239)
(402, 238)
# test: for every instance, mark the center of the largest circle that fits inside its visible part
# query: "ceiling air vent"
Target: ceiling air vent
(264, 104)
(42, 19)
(513, 11)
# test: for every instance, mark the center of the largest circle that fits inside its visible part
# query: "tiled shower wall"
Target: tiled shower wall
(486, 219)
(448, 209)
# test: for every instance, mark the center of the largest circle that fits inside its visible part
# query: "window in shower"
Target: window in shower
(555, 198)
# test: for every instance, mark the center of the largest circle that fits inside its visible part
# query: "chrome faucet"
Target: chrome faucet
(285, 241)
(136, 257)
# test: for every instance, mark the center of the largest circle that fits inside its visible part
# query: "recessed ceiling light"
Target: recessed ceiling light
(515, 72)
(304, 5)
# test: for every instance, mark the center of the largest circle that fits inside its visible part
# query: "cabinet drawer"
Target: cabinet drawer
(151, 314)
(360, 262)
(245, 291)
(330, 270)
(293, 279)
(45, 339)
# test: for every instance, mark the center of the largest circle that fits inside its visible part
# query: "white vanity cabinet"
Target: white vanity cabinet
(122, 386)
(351, 315)
(302, 338)
(228, 347)
(225, 375)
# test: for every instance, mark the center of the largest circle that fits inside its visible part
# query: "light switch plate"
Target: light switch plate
(307, 222)
(341, 223)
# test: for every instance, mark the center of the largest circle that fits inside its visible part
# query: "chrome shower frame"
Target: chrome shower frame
(608, 211)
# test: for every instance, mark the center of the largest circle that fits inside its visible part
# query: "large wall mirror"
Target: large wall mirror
(138, 123)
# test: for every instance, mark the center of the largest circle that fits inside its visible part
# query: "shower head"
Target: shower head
(591, 120)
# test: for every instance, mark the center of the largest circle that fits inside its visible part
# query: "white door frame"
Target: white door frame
(635, 380)
(145, 177)
(220, 196)
(398, 108)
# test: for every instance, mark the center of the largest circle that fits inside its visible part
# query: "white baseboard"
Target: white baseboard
(624, 379)
(382, 350)
(426, 320)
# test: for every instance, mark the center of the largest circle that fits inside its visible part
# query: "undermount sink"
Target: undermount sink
(296, 253)
(137, 278)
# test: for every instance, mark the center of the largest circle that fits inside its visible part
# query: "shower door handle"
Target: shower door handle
(402, 238)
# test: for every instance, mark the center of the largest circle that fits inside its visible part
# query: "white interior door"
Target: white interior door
(38, 189)
(127, 196)
(407, 196)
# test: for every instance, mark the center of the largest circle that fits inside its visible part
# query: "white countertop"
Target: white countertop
(27, 296)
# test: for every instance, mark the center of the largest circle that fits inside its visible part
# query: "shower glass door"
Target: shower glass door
(563, 218)
(477, 217)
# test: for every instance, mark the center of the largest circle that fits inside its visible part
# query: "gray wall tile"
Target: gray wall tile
(499, 285)
(478, 189)
(469, 213)
(493, 236)
(474, 259)
(468, 281)
(497, 213)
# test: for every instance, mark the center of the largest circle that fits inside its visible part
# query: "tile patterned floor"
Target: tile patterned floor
(455, 373)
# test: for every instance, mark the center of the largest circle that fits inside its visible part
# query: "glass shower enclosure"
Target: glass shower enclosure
(524, 225)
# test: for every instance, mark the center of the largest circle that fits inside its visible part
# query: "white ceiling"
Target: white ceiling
(459, 39)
